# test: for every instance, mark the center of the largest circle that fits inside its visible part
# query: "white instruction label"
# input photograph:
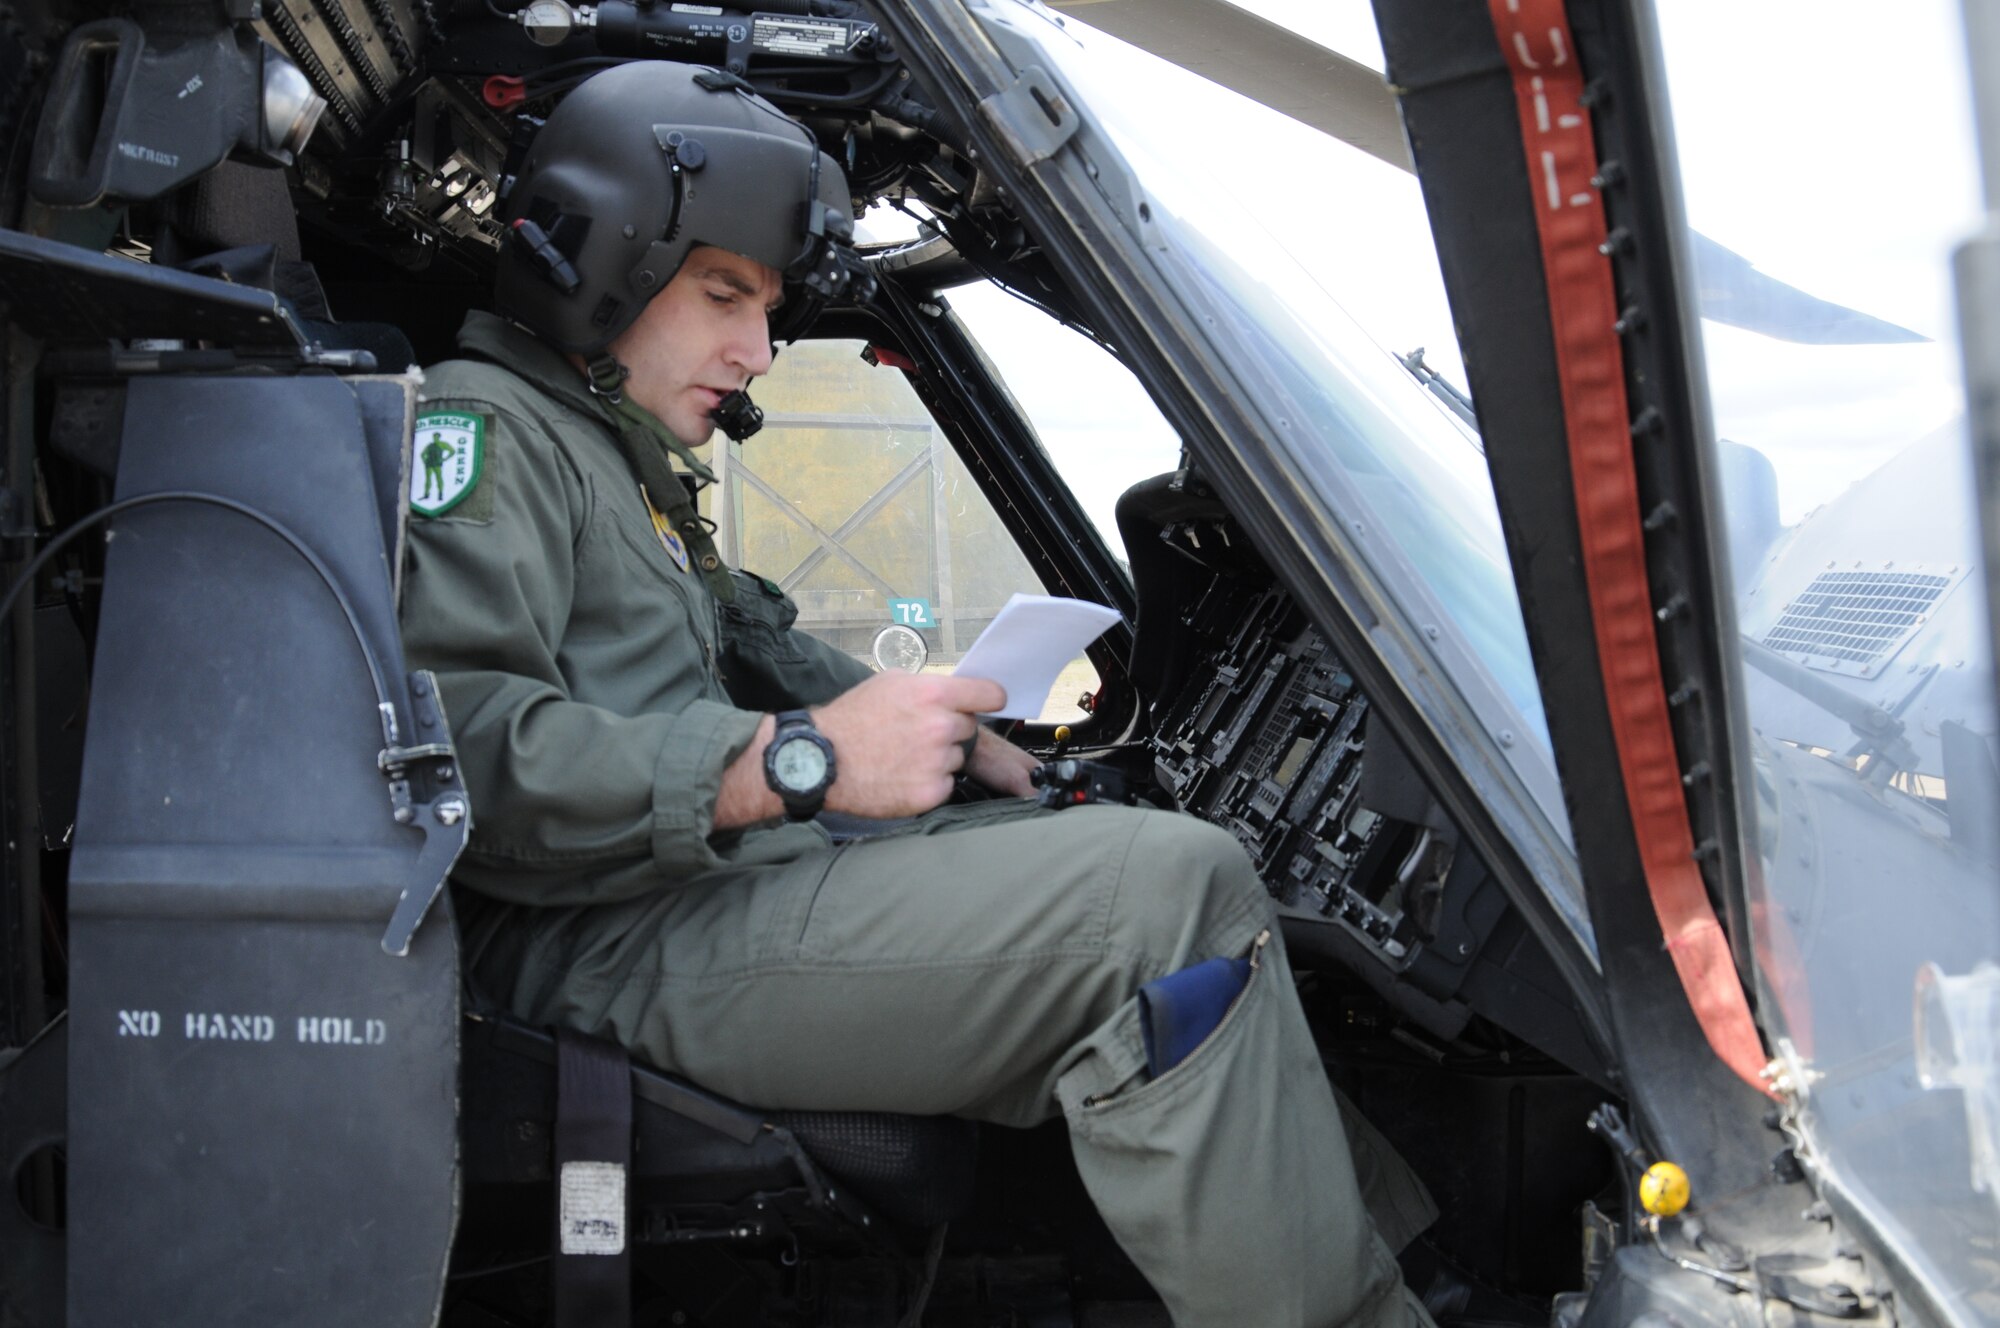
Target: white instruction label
(593, 1208)
(815, 40)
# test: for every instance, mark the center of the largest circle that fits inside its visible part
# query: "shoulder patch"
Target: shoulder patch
(447, 454)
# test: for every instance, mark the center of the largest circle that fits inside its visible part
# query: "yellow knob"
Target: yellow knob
(1663, 1190)
(1062, 733)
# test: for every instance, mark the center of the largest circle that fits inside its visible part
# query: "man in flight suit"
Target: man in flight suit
(643, 863)
(434, 455)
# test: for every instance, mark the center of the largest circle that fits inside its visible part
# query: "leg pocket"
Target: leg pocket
(1228, 1179)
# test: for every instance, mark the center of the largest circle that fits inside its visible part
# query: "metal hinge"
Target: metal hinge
(1033, 118)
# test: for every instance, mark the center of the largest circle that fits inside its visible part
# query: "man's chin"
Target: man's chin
(694, 430)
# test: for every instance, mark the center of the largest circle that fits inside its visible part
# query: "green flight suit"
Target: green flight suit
(981, 962)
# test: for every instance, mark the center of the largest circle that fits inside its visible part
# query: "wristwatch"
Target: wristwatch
(798, 765)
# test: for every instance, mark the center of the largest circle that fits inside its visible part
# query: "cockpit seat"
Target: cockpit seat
(702, 1167)
(237, 223)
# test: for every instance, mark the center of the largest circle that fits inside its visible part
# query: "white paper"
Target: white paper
(1026, 646)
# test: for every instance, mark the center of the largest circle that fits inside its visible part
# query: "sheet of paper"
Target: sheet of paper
(1026, 646)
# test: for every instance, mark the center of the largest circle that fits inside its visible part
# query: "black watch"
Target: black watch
(798, 765)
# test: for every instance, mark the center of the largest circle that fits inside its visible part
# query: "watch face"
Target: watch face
(799, 765)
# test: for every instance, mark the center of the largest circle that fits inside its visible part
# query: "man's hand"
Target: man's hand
(1001, 766)
(898, 740)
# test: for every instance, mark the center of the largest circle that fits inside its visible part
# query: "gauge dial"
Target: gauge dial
(900, 649)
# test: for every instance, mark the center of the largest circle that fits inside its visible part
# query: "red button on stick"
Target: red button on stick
(502, 91)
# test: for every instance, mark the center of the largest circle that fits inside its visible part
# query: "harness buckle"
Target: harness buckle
(606, 378)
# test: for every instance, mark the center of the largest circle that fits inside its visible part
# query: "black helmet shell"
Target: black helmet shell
(639, 165)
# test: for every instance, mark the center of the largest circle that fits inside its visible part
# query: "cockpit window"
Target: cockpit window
(1820, 238)
(852, 500)
(1097, 424)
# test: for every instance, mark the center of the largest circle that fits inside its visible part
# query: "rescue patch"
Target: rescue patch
(446, 456)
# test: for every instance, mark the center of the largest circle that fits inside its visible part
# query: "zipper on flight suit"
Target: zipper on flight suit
(1256, 963)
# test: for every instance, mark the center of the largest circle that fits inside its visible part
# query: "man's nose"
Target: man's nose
(751, 350)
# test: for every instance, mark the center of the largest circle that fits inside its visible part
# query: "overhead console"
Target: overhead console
(1259, 727)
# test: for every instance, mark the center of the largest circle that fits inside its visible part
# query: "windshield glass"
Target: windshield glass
(1089, 414)
(1099, 427)
(1821, 232)
(1274, 251)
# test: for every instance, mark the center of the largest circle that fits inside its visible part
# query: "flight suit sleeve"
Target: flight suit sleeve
(572, 803)
(768, 663)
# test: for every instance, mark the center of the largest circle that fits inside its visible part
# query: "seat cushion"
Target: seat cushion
(698, 1148)
(917, 1170)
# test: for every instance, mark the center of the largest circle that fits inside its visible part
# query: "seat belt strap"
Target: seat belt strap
(1561, 157)
(592, 1267)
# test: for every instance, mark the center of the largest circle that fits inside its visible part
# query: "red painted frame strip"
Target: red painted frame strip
(1562, 159)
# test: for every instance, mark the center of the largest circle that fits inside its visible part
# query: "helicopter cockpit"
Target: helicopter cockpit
(234, 229)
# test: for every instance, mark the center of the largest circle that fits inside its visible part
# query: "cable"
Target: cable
(567, 73)
(913, 1316)
(62, 541)
(818, 101)
(514, 1266)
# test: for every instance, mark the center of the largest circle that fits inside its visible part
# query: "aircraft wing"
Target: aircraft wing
(1733, 291)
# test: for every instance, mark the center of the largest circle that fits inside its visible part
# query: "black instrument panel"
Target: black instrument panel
(1258, 726)
(1267, 740)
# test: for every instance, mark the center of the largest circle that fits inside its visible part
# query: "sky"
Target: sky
(1347, 26)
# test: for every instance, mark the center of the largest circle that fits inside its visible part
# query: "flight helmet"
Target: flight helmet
(642, 163)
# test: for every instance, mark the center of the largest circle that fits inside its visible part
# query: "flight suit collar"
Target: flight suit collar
(645, 441)
(491, 337)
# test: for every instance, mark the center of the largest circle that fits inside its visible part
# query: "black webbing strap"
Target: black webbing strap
(592, 1268)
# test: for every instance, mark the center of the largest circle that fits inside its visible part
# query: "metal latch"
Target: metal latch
(446, 819)
(1033, 118)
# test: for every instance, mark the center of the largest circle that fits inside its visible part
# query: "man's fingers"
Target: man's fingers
(974, 696)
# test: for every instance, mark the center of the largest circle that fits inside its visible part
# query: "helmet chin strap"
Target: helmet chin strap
(646, 443)
(607, 383)
(736, 414)
(607, 377)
